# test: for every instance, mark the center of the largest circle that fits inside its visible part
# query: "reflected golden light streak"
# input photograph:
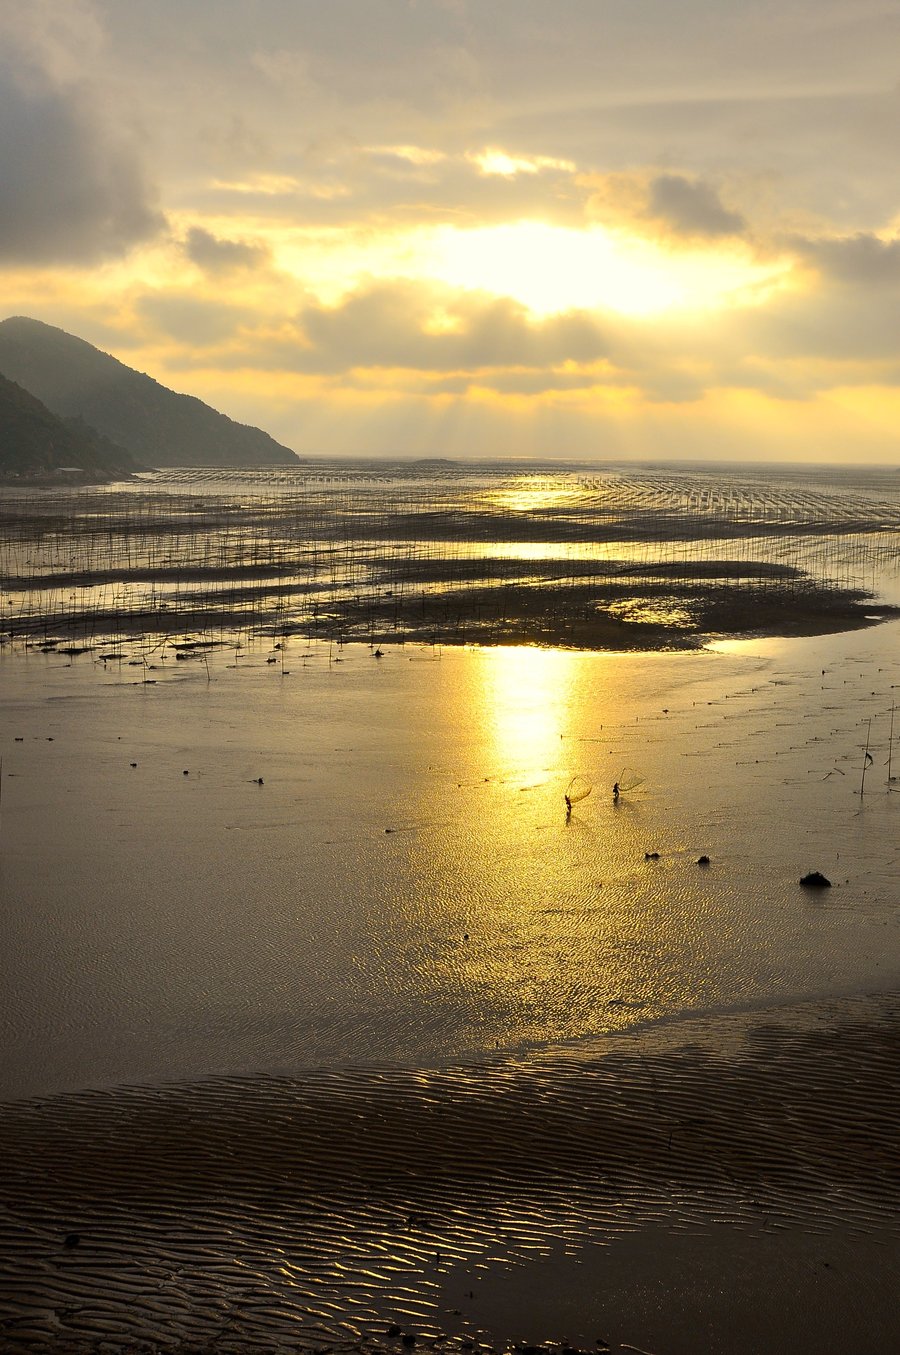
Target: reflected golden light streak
(524, 694)
(533, 495)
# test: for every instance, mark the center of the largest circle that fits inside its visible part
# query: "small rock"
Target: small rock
(394, 1329)
(71, 1240)
(132, 764)
(816, 880)
(651, 856)
(408, 1339)
(702, 860)
(185, 772)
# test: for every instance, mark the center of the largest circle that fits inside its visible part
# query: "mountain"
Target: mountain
(156, 425)
(35, 444)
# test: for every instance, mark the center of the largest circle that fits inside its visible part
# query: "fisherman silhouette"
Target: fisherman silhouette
(615, 790)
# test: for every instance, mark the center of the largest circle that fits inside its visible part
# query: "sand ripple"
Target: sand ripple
(244, 1212)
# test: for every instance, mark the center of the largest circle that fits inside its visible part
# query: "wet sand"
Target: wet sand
(386, 1042)
(726, 1186)
(404, 885)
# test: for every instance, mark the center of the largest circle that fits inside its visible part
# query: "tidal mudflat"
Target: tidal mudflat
(322, 1020)
(626, 559)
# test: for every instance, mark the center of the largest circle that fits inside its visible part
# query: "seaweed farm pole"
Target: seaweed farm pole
(866, 758)
(891, 744)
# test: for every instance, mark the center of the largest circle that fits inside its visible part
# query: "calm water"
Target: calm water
(404, 887)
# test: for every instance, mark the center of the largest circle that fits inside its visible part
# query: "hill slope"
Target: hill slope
(35, 443)
(156, 425)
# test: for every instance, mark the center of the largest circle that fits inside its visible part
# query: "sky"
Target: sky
(592, 229)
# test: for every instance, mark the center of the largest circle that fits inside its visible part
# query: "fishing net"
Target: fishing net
(629, 780)
(579, 788)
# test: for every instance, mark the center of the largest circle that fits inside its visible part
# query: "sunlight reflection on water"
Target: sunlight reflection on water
(405, 885)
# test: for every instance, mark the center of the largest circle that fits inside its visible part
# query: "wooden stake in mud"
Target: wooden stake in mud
(867, 758)
(891, 744)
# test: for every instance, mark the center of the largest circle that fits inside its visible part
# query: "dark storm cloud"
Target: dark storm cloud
(216, 255)
(72, 189)
(689, 207)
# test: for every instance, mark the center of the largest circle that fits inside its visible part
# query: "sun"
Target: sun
(551, 269)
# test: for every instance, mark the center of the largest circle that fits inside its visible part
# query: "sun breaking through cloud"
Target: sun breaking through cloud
(442, 228)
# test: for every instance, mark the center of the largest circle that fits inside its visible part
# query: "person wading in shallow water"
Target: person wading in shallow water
(568, 807)
(615, 790)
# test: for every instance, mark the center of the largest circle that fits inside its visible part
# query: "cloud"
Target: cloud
(806, 94)
(408, 155)
(382, 328)
(690, 207)
(72, 185)
(315, 156)
(677, 206)
(863, 260)
(200, 322)
(216, 255)
(401, 184)
(497, 161)
(393, 324)
(519, 381)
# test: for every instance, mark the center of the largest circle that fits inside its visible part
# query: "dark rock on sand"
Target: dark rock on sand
(816, 880)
